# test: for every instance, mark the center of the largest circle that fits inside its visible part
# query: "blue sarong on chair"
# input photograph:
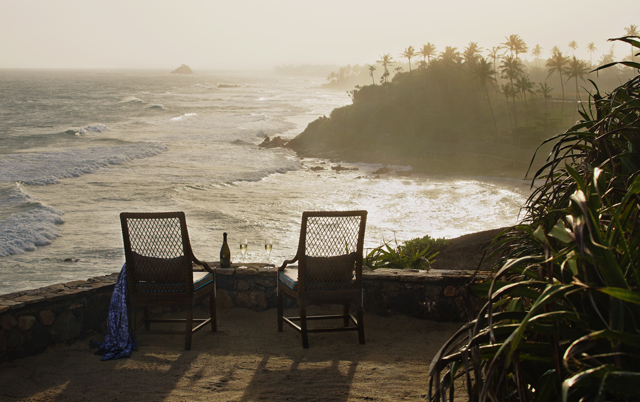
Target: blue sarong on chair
(118, 342)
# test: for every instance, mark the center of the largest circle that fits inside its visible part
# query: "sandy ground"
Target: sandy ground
(246, 360)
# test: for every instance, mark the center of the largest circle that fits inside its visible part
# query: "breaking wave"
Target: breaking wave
(51, 167)
(25, 223)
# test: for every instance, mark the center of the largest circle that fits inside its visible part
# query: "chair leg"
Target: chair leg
(303, 326)
(133, 320)
(213, 313)
(360, 317)
(188, 328)
(145, 317)
(280, 312)
(346, 310)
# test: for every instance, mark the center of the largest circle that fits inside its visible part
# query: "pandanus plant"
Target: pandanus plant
(562, 318)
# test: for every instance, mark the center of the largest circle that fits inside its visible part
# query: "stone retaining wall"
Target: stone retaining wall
(31, 321)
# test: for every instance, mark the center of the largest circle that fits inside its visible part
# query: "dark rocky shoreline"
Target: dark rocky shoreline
(432, 163)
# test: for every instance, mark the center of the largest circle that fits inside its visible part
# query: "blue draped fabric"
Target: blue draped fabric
(118, 342)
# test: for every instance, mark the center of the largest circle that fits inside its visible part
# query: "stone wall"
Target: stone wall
(31, 321)
(440, 295)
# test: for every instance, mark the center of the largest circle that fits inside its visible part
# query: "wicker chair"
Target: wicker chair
(160, 269)
(329, 271)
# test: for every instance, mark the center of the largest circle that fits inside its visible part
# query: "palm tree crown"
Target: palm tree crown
(471, 53)
(516, 44)
(372, 68)
(450, 55)
(386, 60)
(511, 68)
(409, 53)
(557, 63)
(573, 45)
(591, 47)
(427, 51)
(576, 68)
(537, 52)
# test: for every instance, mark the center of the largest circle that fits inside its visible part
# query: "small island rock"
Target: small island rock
(183, 69)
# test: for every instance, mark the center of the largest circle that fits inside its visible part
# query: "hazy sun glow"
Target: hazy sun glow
(258, 34)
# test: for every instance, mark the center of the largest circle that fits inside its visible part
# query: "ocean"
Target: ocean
(79, 147)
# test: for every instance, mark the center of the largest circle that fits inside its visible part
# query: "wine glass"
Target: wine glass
(268, 245)
(243, 248)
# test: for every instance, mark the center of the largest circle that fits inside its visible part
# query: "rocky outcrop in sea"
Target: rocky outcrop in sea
(183, 69)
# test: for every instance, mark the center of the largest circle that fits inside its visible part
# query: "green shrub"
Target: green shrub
(421, 243)
(417, 253)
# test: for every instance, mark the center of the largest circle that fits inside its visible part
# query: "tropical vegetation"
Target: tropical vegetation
(416, 253)
(562, 318)
(456, 109)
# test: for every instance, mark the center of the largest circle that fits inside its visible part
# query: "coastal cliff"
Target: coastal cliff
(436, 124)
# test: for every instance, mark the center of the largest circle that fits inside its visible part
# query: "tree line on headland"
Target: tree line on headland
(458, 110)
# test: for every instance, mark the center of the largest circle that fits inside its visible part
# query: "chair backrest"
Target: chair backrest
(330, 251)
(158, 254)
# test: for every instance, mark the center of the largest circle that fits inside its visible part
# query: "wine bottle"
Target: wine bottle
(225, 253)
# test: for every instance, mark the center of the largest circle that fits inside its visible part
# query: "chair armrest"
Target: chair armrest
(203, 265)
(287, 262)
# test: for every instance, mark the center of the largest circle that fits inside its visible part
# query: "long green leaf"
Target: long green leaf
(622, 294)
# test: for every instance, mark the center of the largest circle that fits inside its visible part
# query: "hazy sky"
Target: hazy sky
(260, 34)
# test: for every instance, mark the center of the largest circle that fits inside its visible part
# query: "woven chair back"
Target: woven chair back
(158, 254)
(332, 246)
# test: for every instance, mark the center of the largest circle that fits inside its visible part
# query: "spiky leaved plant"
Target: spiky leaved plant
(562, 321)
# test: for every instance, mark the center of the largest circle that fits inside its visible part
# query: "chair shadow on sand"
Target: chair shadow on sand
(322, 380)
(247, 360)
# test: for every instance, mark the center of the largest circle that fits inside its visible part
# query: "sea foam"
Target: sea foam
(51, 167)
(93, 128)
(25, 223)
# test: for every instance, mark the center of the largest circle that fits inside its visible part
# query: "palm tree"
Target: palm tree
(511, 68)
(524, 86)
(632, 30)
(557, 63)
(576, 69)
(573, 45)
(385, 60)
(486, 74)
(427, 52)
(537, 52)
(545, 91)
(508, 91)
(450, 58)
(493, 53)
(372, 68)
(409, 53)
(607, 58)
(471, 54)
(591, 47)
(450, 55)
(516, 45)
(511, 43)
(521, 47)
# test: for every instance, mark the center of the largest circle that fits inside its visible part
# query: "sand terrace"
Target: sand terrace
(247, 360)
